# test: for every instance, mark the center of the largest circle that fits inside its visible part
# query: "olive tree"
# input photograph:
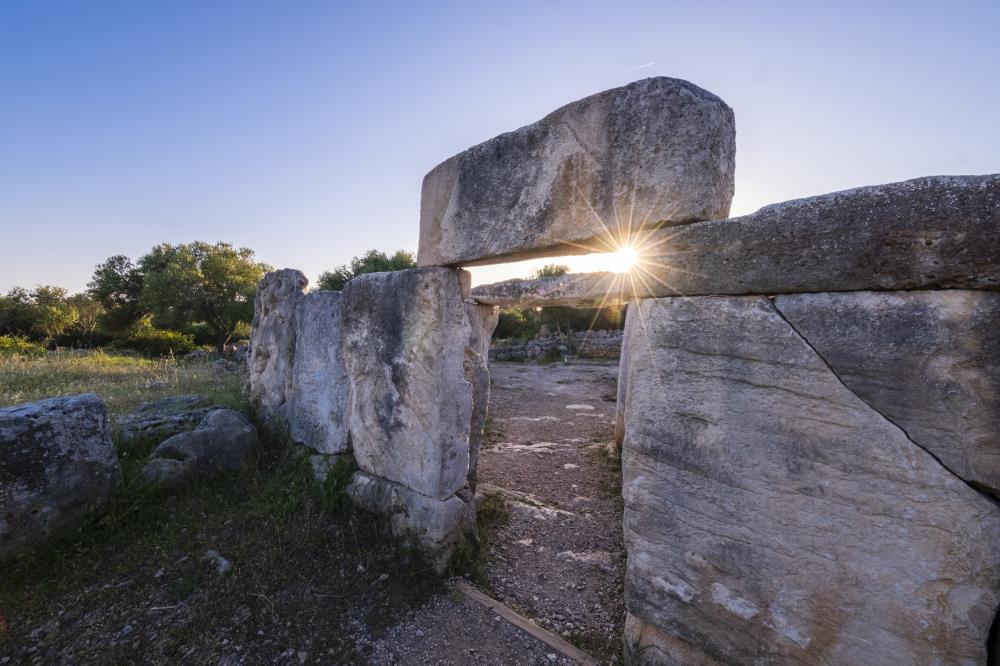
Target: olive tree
(200, 282)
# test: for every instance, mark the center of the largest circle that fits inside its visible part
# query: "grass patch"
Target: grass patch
(492, 432)
(471, 560)
(309, 572)
(124, 382)
(134, 586)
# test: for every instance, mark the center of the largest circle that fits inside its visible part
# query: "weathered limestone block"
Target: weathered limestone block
(405, 339)
(153, 422)
(221, 443)
(272, 343)
(927, 360)
(655, 151)
(483, 319)
(435, 526)
(772, 516)
(934, 232)
(318, 398)
(631, 321)
(57, 464)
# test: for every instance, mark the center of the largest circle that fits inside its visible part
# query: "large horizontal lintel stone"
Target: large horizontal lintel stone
(656, 151)
(934, 232)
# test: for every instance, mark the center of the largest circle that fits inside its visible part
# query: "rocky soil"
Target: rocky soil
(560, 558)
(260, 568)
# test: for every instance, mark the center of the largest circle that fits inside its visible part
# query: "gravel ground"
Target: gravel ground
(560, 558)
(452, 630)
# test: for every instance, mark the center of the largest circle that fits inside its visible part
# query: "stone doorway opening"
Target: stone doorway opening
(549, 474)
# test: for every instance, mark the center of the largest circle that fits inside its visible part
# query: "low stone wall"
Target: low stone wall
(362, 375)
(586, 344)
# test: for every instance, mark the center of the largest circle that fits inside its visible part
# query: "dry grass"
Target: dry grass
(122, 381)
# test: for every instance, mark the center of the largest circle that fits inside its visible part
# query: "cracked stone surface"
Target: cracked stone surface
(771, 514)
(927, 360)
(655, 151)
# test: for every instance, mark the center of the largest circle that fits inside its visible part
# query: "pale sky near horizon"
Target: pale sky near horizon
(303, 130)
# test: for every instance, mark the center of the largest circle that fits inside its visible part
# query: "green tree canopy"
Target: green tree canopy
(88, 314)
(178, 286)
(43, 313)
(117, 285)
(551, 270)
(372, 261)
(200, 282)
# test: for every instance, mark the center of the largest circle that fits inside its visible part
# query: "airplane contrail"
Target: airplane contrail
(648, 64)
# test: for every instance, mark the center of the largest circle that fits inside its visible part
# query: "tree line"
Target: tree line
(175, 297)
(169, 300)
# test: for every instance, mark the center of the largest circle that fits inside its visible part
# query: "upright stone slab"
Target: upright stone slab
(318, 401)
(57, 464)
(405, 339)
(272, 343)
(772, 516)
(483, 319)
(927, 360)
(655, 151)
(622, 388)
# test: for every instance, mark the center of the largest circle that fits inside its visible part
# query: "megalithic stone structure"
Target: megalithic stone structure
(807, 400)
(656, 152)
(937, 232)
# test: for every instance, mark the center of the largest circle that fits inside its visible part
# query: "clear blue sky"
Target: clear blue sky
(303, 130)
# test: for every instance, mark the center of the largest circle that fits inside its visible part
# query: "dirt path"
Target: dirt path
(560, 558)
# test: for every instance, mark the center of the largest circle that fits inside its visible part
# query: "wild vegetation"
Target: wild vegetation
(524, 323)
(139, 585)
(136, 585)
(372, 261)
(170, 301)
(123, 382)
(190, 288)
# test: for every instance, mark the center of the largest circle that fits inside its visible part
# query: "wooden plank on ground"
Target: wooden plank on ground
(566, 649)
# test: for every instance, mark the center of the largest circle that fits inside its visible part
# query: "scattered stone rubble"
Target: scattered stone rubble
(585, 344)
(807, 398)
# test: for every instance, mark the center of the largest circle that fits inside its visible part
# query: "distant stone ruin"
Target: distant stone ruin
(808, 396)
(584, 344)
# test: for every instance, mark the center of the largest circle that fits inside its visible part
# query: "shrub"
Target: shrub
(156, 342)
(11, 345)
(516, 323)
(372, 261)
